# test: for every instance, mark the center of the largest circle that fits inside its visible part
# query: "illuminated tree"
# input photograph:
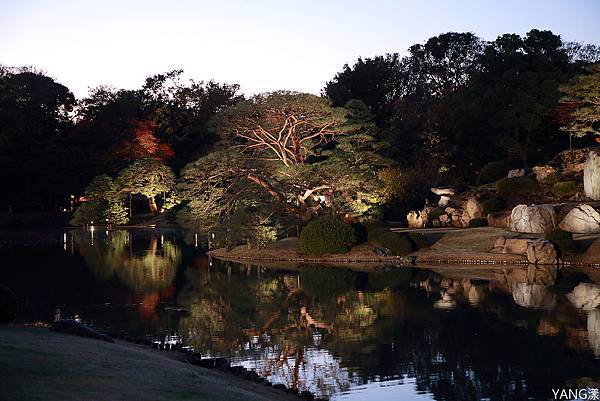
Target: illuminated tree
(147, 177)
(581, 103)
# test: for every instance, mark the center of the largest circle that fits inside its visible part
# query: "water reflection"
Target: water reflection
(508, 333)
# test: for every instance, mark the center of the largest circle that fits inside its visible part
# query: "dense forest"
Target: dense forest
(381, 133)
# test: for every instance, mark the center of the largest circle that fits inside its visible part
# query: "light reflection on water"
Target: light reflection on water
(391, 334)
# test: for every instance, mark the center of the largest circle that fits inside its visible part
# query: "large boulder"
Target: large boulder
(582, 219)
(591, 176)
(541, 252)
(537, 219)
(516, 246)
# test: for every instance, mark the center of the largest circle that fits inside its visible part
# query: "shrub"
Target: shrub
(492, 172)
(564, 188)
(516, 186)
(326, 282)
(397, 244)
(493, 205)
(326, 235)
(419, 240)
(405, 188)
(478, 222)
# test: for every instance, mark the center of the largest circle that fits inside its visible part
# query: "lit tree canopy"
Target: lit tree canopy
(147, 177)
(286, 156)
(582, 100)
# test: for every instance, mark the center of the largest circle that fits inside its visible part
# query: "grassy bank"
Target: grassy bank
(41, 365)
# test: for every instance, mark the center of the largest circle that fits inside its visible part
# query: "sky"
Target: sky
(261, 45)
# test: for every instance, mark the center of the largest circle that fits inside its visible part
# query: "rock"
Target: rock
(543, 173)
(591, 176)
(585, 296)
(593, 330)
(413, 219)
(520, 172)
(69, 326)
(533, 296)
(536, 219)
(542, 252)
(445, 195)
(515, 246)
(499, 219)
(444, 219)
(516, 173)
(419, 219)
(472, 210)
(582, 219)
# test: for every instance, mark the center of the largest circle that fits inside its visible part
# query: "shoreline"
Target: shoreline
(470, 247)
(56, 362)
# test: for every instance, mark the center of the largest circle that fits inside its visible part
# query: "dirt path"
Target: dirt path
(37, 364)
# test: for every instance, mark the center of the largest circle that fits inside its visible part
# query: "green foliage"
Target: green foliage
(148, 177)
(86, 213)
(397, 244)
(516, 186)
(564, 188)
(582, 103)
(326, 235)
(115, 213)
(492, 172)
(493, 205)
(478, 222)
(104, 204)
(326, 282)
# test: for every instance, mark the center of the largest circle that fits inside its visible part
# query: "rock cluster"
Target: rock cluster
(538, 251)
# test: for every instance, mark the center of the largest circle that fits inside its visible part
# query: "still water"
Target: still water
(391, 334)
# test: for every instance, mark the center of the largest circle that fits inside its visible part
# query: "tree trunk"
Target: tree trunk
(152, 204)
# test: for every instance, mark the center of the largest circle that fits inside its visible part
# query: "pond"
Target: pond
(389, 334)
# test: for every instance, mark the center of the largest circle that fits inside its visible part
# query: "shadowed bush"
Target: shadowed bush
(478, 222)
(492, 172)
(493, 205)
(564, 188)
(326, 235)
(419, 240)
(516, 186)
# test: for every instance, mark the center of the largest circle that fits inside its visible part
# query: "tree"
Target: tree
(581, 102)
(285, 156)
(103, 203)
(36, 168)
(147, 177)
